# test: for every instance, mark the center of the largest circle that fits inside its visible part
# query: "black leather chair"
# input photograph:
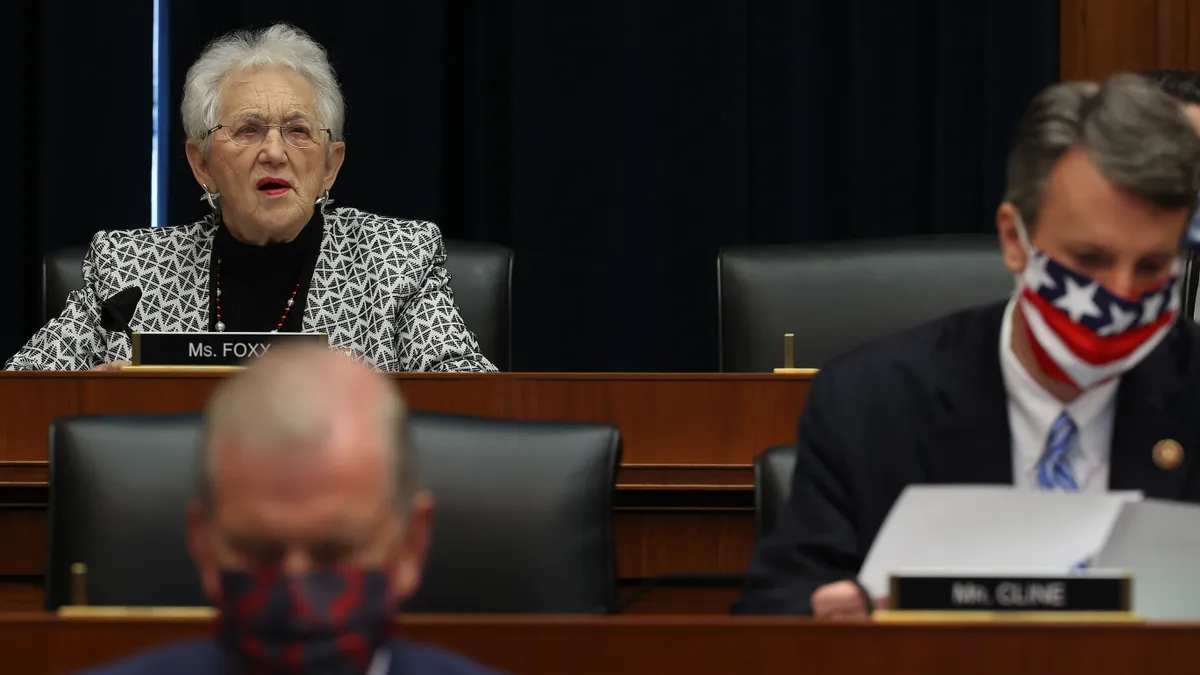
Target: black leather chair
(773, 470)
(838, 295)
(62, 272)
(119, 490)
(481, 277)
(523, 522)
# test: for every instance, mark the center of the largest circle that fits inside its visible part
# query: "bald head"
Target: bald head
(307, 405)
(306, 466)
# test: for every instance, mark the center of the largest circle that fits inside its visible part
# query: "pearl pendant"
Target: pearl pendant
(218, 292)
(291, 301)
(220, 327)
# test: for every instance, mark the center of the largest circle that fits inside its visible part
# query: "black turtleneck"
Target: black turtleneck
(256, 281)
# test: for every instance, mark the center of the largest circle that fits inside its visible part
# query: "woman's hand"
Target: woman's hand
(108, 367)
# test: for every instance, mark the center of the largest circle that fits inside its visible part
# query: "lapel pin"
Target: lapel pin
(1168, 454)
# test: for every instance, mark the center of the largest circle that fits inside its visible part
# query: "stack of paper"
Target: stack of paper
(987, 530)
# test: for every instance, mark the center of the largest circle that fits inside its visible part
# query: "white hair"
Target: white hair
(281, 45)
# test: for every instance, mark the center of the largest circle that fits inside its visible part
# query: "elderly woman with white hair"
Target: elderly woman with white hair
(263, 114)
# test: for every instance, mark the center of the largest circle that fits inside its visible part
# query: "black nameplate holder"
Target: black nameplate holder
(1084, 595)
(209, 350)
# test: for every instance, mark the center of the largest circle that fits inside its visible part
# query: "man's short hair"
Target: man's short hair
(1137, 135)
(285, 403)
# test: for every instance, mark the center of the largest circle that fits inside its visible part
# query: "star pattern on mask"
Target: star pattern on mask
(1036, 276)
(1079, 301)
(1175, 301)
(1121, 321)
(1151, 308)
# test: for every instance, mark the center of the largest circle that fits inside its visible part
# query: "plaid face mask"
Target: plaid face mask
(325, 621)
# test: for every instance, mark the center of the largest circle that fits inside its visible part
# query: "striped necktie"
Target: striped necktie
(1054, 468)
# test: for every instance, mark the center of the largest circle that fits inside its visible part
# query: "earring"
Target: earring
(324, 201)
(210, 197)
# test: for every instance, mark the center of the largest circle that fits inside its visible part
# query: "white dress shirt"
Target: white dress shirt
(1032, 410)
(381, 663)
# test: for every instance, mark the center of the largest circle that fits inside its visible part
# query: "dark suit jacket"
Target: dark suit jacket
(206, 658)
(929, 406)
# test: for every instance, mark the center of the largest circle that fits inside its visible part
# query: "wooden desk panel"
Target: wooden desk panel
(23, 541)
(685, 420)
(647, 545)
(29, 405)
(46, 645)
(684, 500)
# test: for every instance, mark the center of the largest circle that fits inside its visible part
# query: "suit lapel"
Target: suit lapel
(970, 440)
(1150, 409)
(194, 297)
(174, 269)
(326, 292)
(401, 660)
(179, 271)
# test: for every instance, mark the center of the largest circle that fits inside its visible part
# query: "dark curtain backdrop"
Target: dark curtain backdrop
(617, 145)
(77, 137)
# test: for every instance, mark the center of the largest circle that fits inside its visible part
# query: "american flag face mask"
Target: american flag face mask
(1082, 333)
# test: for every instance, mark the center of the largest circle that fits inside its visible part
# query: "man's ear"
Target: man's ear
(199, 163)
(1007, 219)
(200, 546)
(409, 562)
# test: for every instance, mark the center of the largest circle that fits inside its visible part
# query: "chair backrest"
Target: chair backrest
(480, 275)
(773, 470)
(523, 521)
(119, 490)
(62, 272)
(835, 296)
(523, 515)
(481, 278)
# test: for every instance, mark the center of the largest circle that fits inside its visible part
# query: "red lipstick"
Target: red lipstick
(273, 186)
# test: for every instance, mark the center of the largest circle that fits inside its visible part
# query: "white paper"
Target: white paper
(1159, 542)
(989, 529)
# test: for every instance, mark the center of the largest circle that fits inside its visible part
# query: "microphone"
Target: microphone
(117, 311)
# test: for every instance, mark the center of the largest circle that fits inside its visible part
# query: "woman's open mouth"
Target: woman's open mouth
(273, 186)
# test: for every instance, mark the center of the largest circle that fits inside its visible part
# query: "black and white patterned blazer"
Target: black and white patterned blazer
(379, 290)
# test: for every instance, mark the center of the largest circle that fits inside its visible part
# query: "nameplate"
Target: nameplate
(212, 349)
(1087, 591)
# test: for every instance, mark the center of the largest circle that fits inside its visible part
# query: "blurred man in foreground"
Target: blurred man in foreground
(308, 528)
(1069, 385)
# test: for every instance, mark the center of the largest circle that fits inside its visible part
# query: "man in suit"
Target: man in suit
(1069, 385)
(308, 528)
